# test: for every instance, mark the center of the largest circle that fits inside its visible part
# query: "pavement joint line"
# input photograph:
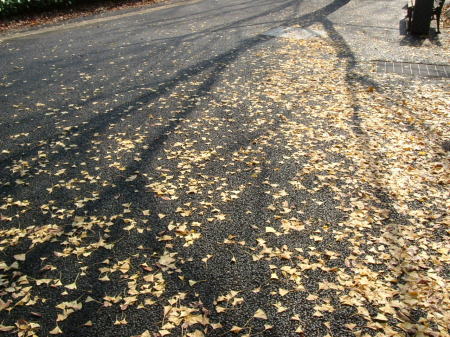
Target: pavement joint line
(94, 21)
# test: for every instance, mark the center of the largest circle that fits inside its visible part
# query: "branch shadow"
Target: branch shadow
(212, 69)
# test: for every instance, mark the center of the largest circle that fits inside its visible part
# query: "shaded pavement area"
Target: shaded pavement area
(180, 173)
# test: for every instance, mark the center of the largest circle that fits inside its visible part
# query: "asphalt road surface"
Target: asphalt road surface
(173, 170)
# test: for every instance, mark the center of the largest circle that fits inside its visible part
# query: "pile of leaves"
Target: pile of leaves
(446, 15)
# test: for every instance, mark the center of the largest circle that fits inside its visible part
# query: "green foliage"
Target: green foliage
(14, 7)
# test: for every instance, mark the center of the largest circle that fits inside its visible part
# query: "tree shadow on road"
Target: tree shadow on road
(210, 72)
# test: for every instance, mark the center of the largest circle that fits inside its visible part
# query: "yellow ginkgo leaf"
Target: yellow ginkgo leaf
(20, 257)
(235, 329)
(55, 331)
(282, 291)
(71, 286)
(260, 314)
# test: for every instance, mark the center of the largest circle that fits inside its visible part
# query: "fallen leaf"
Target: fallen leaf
(55, 331)
(260, 314)
(236, 329)
(20, 257)
(71, 286)
(6, 328)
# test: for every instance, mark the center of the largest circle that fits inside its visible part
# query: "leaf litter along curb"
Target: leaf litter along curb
(57, 15)
(374, 152)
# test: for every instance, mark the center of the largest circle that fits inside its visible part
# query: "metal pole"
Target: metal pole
(421, 17)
